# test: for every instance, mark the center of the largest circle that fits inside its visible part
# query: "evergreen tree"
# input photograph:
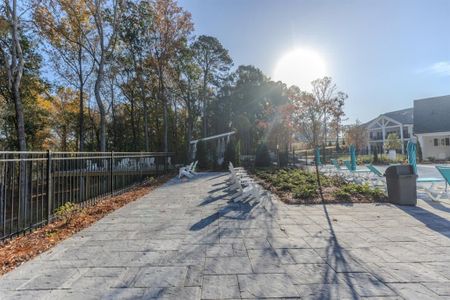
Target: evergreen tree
(262, 157)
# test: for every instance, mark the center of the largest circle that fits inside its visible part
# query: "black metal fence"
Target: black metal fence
(34, 184)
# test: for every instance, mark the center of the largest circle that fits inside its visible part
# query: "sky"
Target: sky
(382, 53)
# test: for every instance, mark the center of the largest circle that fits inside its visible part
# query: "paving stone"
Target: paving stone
(266, 286)
(252, 244)
(327, 291)
(227, 265)
(185, 240)
(52, 279)
(442, 289)
(194, 275)
(186, 293)
(413, 291)
(366, 285)
(220, 287)
(305, 256)
(311, 273)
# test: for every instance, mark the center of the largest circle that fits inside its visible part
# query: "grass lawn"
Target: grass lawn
(297, 186)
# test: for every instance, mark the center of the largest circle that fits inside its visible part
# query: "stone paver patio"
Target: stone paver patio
(186, 241)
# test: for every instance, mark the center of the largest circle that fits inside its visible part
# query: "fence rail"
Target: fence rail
(34, 184)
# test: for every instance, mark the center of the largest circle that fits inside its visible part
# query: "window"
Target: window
(436, 142)
(447, 141)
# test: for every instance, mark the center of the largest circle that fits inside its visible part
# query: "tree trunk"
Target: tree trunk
(20, 120)
(166, 127)
(205, 108)
(144, 102)
(133, 125)
(113, 115)
(81, 91)
(101, 107)
(162, 97)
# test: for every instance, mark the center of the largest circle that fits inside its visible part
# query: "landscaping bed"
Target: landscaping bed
(71, 219)
(297, 186)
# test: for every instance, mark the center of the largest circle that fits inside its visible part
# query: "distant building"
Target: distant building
(399, 122)
(432, 126)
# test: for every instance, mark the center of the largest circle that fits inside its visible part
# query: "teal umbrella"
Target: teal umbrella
(317, 156)
(352, 150)
(411, 148)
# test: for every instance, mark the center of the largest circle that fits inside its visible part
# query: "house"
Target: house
(399, 122)
(432, 127)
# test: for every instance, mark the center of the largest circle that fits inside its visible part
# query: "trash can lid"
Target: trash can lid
(399, 170)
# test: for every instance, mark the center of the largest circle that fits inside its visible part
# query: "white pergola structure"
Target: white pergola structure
(222, 140)
(379, 129)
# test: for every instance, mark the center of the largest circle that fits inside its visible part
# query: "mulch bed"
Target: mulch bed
(18, 250)
(328, 197)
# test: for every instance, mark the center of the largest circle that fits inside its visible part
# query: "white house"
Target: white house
(399, 122)
(432, 127)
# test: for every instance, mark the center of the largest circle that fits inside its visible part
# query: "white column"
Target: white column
(383, 133)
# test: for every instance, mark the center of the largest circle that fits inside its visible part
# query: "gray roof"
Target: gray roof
(404, 116)
(432, 114)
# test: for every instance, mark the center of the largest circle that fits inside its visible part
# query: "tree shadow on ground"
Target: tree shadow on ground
(242, 208)
(438, 205)
(337, 260)
(431, 220)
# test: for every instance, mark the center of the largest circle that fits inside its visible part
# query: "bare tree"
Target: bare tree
(171, 28)
(65, 24)
(106, 16)
(12, 57)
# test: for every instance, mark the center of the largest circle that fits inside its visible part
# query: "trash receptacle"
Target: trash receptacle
(401, 184)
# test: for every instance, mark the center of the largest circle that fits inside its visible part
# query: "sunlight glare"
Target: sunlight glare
(300, 67)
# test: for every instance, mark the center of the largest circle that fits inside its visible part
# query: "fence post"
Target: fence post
(111, 172)
(49, 185)
(166, 157)
(293, 157)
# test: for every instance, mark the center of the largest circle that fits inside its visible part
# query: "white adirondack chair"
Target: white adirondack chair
(188, 171)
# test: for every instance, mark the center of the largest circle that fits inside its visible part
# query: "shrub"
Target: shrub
(347, 190)
(202, 155)
(66, 212)
(392, 142)
(262, 157)
(419, 152)
(375, 156)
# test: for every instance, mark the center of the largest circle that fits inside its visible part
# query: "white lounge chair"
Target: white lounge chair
(186, 171)
(430, 184)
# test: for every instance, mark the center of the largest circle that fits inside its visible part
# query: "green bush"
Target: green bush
(262, 157)
(201, 155)
(303, 184)
(66, 212)
(347, 190)
(419, 152)
(375, 156)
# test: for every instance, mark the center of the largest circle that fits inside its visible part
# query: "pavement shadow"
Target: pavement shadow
(240, 211)
(337, 260)
(431, 220)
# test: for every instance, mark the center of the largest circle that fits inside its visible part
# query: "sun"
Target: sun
(299, 67)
